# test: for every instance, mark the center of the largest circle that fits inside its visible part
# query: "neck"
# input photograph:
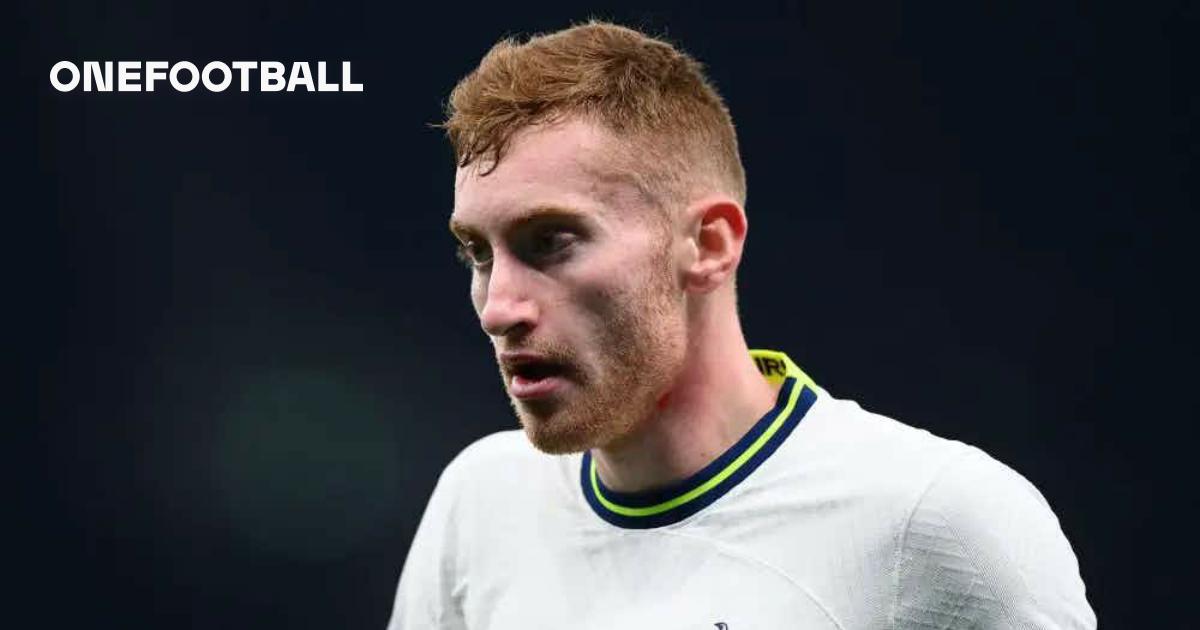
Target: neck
(717, 397)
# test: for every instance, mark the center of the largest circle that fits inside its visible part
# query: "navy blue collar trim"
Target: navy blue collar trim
(677, 513)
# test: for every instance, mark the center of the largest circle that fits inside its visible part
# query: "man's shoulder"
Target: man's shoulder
(990, 541)
(877, 446)
(502, 459)
(886, 461)
(887, 446)
(499, 449)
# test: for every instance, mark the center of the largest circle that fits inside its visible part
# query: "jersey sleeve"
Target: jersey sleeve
(982, 549)
(429, 593)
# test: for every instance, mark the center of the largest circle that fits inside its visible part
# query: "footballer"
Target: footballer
(667, 475)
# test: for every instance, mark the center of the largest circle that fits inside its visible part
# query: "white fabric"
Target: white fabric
(857, 521)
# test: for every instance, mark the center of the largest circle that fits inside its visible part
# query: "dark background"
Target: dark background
(249, 351)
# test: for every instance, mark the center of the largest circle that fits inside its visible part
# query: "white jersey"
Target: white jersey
(823, 516)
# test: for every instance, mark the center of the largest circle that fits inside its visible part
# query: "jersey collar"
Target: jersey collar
(657, 508)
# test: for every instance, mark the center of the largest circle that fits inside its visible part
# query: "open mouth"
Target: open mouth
(536, 370)
(533, 379)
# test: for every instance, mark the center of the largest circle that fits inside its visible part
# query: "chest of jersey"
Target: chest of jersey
(658, 582)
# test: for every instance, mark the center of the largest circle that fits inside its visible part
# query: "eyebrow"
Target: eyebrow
(534, 213)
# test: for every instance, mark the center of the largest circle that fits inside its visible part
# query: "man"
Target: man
(667, 476)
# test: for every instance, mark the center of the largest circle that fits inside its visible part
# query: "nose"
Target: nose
(507, 307)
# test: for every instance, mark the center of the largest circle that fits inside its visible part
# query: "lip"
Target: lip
(530, 389)
(512, 360)
(525, 388)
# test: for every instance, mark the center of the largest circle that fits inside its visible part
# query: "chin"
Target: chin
(564, 429)
(556, 435)
(556, 430)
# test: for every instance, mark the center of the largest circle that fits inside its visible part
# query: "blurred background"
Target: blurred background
(247, 350)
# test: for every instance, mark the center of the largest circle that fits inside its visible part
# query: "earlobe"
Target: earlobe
(719, 233)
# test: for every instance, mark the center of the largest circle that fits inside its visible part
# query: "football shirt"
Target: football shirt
(822, 516)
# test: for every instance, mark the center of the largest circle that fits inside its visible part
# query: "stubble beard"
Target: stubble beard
(642, 349)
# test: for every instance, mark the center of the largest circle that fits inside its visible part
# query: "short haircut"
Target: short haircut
(645, 91)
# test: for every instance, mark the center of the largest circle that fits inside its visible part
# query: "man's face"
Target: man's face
(574, 280)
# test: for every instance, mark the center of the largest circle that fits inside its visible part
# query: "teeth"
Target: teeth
(520, 379)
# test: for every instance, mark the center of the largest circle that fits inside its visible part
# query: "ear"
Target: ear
(717, 231)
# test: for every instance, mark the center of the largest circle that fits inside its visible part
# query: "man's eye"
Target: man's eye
(474, 254)
(548, 243)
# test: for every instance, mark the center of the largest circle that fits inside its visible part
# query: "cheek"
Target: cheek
(611, 303)
(596, 293)
(617, 297)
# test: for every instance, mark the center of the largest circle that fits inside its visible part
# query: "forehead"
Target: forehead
(572, 165)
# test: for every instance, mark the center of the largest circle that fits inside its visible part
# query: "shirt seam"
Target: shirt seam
(899, 554)
(728, 551)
